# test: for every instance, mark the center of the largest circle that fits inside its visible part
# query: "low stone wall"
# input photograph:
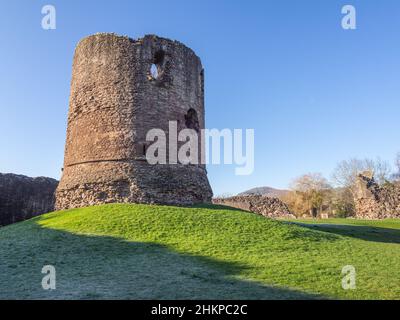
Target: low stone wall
(265, 206)
(374, 201)
(22, 197)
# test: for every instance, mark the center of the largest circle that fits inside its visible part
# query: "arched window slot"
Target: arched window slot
(157, 65)
(192, 120)
(159, 57)
(154, 71)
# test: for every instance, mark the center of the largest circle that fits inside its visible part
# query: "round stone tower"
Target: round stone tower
(121, 88)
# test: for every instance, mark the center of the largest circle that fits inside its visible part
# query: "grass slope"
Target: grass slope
(161, 252)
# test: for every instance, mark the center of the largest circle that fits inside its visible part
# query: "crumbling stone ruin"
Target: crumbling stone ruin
(121, 88)
(266, 206)
(22, 197)
(374, 201)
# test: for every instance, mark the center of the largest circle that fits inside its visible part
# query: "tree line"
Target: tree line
(314, 195)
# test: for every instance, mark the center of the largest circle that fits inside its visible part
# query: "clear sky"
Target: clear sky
(314, 93)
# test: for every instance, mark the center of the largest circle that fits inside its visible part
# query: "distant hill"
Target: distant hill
(265, 191)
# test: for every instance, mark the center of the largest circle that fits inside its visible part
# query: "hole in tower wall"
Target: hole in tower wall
(159, 57)
(156, 66)
(192, 120)
(154, 71)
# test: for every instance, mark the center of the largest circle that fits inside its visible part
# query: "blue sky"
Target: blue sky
(314, 93)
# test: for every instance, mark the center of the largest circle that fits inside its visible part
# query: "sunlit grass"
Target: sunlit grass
(163, 252)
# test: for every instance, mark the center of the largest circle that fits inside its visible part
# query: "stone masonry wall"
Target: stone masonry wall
(373, 201)
(115, 100)
(265, 206)
(22, 197)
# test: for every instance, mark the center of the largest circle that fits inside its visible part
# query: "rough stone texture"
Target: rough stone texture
(373, 201)
(265, 206)
(114, 102)
(22, 197)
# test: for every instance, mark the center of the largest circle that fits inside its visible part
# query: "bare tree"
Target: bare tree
(345, 177)
(346, 172)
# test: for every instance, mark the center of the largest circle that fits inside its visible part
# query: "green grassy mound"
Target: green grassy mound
(159, 252)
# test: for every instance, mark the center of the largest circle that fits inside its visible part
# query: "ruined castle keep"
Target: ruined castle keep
(121, 88)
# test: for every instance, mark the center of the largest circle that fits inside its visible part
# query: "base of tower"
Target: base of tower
(143, 183)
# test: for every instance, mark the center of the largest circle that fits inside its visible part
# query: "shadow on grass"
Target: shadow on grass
(374, 234)
(97, 267)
